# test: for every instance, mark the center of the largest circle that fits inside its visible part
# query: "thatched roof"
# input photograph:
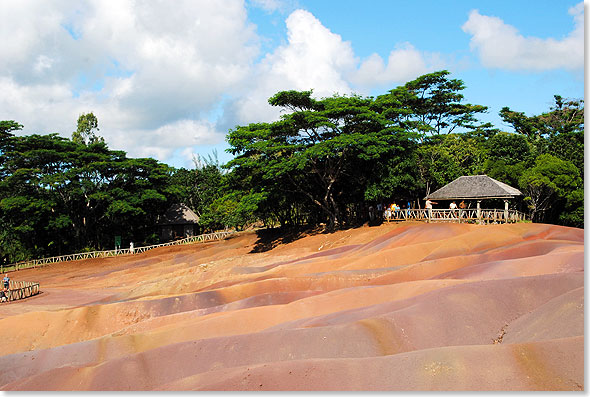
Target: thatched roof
(178, 214)
(474, 187)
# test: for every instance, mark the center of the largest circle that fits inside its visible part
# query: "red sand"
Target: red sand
(395, 307)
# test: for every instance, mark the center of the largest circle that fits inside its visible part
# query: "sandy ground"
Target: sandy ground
(394, 307)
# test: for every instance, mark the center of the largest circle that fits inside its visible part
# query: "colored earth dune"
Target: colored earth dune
(395, 307)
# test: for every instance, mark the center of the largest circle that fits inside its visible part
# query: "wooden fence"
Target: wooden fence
(471, 215)
(21, 289)
(105, 254)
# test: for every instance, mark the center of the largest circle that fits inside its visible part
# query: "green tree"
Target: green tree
(432, 105)
(559, 132)
(86, 131)
(442, 158)
(317, 149)
(431, 111)
(58, 196)
(548, 186)
(234, 209)
(508, 156)
(6, 127)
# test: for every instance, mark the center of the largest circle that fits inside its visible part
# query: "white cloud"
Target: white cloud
(165, 140)
(268, 5)
(313, 58)
(316, 58)
(404, 63)
(163, 86)
(145, 76)
(500, 45)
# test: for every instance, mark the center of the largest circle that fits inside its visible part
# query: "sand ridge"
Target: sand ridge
(397, 307)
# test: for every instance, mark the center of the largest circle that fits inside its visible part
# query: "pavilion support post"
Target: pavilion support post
(479, 210)
(506, 211)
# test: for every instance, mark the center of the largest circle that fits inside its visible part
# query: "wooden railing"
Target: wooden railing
(457, 215)
(21, 289)
(110, 253)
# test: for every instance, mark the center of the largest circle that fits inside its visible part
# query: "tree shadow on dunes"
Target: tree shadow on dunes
(272, 237)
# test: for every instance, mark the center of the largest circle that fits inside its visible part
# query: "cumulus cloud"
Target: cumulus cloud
(500, 45)
(163, 86)
(164, 141)
(316, 58)
(404, 63)
(312, 58)
(268, 5)
(142, 74)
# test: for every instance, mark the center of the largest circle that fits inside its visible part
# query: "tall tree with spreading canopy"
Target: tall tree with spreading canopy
(432, 105)
(318, 149)
(431, 110)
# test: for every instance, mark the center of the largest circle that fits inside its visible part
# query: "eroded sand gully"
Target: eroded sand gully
(395, 307)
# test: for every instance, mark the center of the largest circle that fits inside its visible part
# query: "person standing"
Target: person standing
(428, 206)
(453, 208)
(6, 281)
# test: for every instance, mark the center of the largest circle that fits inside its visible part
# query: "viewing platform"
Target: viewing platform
(481, 216)
(21, 289)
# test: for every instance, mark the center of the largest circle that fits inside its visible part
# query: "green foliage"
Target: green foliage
(573, 214)
(326, 156)
(559, 132)
(85, 133)
(324, 161)
(233, 210)
(198, 188)
(59, 196)
(442, 158)
(548, 185)
(432, 105)
(6, 127)
(317, 151)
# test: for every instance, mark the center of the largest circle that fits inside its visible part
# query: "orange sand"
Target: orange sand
(396, 307)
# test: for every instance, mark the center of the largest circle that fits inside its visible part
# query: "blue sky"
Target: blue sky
(169, 81)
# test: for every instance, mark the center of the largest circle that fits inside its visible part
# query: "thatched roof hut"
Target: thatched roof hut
(178, 222)
(474, 187)
(178, 214)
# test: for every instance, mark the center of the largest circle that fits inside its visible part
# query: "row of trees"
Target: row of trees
(324, 161)
(59, 195)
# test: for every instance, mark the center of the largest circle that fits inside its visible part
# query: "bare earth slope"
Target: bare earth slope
(395, 307)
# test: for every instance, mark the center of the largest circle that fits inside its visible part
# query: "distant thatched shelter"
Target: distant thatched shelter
(474, 187)
(178, 222)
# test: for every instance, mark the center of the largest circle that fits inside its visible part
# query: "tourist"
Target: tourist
(4, 295)
(395, 210)
(387, 213)
(428, 206)
(6, 281)
(453, 207)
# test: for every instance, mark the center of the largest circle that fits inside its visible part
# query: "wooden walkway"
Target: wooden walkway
(105, 254)
(21, 290)
(472, 215)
